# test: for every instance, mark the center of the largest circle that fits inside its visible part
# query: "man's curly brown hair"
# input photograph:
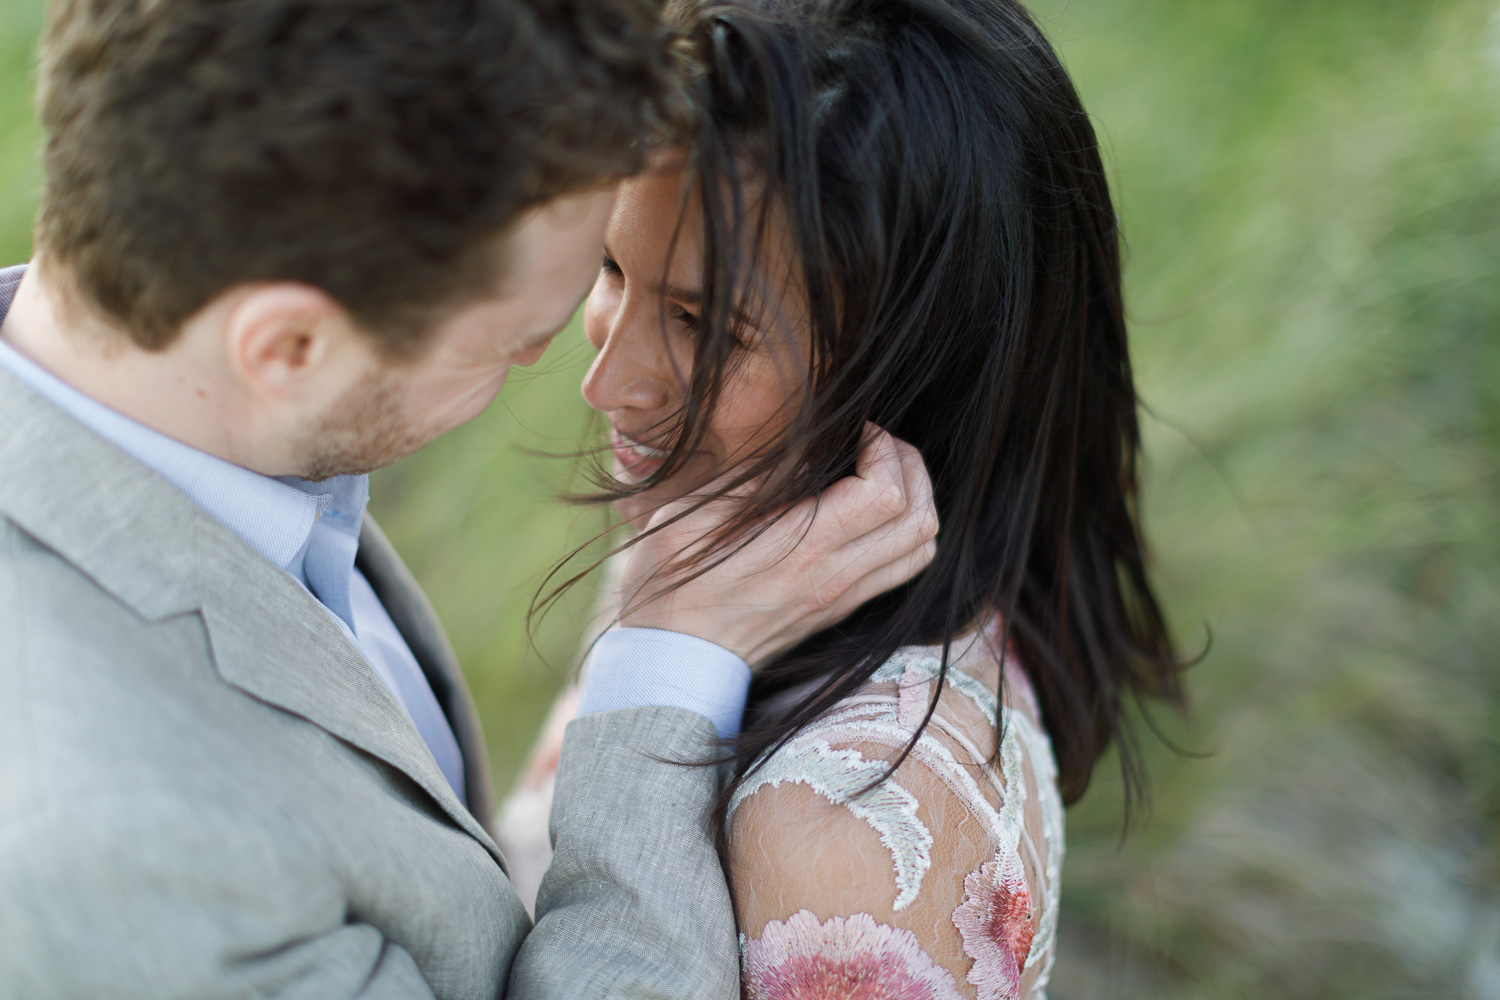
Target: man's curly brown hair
(372, 148)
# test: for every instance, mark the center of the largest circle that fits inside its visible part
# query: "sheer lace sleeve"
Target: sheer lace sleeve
(940, 882)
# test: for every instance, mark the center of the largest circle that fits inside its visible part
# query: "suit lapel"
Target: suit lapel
(273, 640)
(413, 615)
(120, 523)
(160, 554)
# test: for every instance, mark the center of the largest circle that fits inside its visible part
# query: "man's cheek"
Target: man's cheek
(466, 402)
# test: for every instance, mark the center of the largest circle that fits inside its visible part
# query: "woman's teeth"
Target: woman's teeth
(650, 454)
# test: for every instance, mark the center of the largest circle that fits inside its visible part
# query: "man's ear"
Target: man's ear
(279, 338)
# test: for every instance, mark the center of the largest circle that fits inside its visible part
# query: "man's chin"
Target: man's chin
(358, 458)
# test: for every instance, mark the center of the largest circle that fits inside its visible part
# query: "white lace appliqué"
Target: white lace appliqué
(839, 776)
(1007, 924)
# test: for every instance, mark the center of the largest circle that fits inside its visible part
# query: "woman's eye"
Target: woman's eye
(684, 318)
(608, 266)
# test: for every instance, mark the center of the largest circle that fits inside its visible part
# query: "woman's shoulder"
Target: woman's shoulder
(967, 831)
(978, 717)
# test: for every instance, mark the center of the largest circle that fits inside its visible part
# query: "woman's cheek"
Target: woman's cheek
(754, 412)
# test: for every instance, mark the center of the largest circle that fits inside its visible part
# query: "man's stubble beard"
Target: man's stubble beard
(364, 431)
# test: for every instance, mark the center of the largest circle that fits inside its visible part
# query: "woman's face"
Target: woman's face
(643, 318)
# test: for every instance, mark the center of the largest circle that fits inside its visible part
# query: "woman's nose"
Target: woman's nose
(631, 370)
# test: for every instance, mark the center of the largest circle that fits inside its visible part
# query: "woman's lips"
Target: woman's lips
(636, 459)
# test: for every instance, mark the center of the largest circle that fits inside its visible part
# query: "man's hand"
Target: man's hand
(810, 569)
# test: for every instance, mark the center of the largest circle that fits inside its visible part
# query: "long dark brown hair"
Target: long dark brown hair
(931, 166)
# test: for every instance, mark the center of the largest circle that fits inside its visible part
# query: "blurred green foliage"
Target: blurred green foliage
(20, 166)
(1309, 192)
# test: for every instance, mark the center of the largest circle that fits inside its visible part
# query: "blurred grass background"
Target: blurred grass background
(1310, 195)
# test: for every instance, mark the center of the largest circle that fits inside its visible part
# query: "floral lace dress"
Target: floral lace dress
(939, 883)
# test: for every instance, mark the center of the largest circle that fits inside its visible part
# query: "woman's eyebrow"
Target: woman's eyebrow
(681, 292)
(684, 294)
(694, 297)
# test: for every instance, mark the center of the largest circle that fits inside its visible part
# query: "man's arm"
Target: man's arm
(138, 897)
(635, 902)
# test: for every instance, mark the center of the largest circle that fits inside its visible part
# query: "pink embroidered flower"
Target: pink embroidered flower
(850, 958)
(995, 920)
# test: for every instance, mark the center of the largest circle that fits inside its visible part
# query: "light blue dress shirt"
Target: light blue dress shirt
(311, 531)
(631, 667)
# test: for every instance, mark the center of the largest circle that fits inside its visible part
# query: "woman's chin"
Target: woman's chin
(637, 511)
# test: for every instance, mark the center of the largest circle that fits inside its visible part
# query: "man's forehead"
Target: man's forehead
(556, 241)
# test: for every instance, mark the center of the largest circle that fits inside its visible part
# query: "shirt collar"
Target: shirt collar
(275, 517)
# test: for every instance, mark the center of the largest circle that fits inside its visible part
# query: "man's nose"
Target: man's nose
(532, 354)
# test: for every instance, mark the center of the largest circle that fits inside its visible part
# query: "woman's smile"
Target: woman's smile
(636, 460)
(639, 318)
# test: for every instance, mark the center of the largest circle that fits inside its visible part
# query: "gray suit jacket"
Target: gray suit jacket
(206, 792)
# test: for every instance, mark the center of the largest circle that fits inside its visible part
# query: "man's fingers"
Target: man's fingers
(894, 549)
(884, 577)
(881, 559)
(918, 486)
(876, 452)
(883, 474)
(908, 542)
(913, 519)
(874, 496)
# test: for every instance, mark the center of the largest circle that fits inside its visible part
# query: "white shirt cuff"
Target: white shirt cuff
(640, 667)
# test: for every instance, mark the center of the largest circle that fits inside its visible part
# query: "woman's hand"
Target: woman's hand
(808, 570)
